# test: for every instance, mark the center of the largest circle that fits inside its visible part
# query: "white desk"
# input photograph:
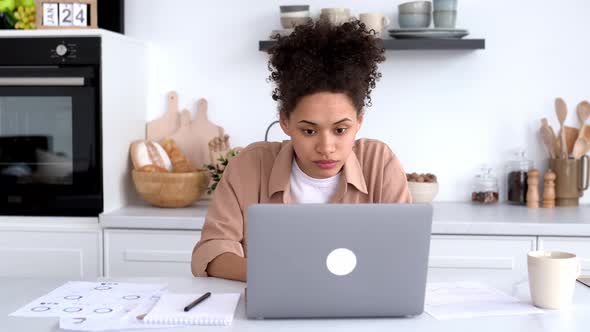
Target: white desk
(18, 292)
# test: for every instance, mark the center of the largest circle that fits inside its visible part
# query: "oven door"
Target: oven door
(50, 148)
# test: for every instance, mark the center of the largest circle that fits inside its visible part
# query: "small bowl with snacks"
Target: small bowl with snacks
(423, 187)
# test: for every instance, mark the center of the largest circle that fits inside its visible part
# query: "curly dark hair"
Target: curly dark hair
(320, 57)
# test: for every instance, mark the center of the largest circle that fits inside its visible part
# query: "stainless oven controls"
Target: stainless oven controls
(61, 50)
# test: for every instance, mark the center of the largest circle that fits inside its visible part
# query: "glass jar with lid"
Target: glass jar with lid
(517, 170)
(485, 187)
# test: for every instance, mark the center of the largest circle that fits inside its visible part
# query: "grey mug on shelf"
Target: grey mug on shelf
(444, 5)
(445, 13)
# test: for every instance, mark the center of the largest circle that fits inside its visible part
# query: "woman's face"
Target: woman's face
(323, 129)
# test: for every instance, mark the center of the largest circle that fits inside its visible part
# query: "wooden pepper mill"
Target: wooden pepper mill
(549, 189)
(532, 195)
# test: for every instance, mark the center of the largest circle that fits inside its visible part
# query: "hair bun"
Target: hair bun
(320, 57)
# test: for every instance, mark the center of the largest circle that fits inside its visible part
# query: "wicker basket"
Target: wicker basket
(170, 190)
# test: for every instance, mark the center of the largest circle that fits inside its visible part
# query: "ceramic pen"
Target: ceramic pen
(197, 301)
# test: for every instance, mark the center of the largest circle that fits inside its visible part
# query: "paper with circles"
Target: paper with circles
(91, 300)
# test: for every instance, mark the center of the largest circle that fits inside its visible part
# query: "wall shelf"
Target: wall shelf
(415, 44)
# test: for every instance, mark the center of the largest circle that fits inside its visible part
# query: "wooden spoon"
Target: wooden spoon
(561, 112)
(583, 111)
(580, 147)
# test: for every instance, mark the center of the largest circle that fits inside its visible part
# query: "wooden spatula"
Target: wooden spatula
(580, 147)
(586, 135)
(548, 140)
(561, 112)
(549, 132)
(571, 135)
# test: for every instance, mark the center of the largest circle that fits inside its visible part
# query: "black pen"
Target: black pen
(197, 301)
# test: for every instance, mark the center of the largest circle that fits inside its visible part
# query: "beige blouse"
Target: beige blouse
(261, 174)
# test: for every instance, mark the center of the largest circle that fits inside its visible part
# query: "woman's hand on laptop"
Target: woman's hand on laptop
(228, 266)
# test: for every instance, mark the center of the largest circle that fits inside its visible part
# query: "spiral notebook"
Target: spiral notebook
(218, 309)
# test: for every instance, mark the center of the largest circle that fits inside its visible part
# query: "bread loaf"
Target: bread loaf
(149, 153)
(180, 163)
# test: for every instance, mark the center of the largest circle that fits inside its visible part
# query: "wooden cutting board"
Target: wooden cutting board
(193, 137)
(168, 123)
(182, 136)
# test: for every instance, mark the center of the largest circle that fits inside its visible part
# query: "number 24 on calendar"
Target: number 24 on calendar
(65, 14)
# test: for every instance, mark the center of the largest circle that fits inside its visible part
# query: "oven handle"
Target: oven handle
(41, 81)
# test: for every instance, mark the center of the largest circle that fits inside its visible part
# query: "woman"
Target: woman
(324, 75)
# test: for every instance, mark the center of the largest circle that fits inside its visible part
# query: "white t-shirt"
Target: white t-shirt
(305, 189)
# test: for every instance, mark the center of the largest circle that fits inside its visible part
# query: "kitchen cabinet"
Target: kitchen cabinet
(168, 253)
(501, 256)
(148, 253)
(140, 240)
(495, 240)
(578, 245)
(51, 249)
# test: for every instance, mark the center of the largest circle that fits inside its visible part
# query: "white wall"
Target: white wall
(443, 112)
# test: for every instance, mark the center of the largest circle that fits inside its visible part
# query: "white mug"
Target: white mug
(374, 21)
(336, 16)
(552, 278)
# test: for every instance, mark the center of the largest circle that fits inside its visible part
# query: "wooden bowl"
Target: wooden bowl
(423, 192)
(170, 190)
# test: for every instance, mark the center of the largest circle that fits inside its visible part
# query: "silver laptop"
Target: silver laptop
(337, 260)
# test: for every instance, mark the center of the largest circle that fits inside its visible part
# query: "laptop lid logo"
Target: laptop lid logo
(341, 261)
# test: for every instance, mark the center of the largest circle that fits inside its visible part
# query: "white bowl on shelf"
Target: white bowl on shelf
(423, 192)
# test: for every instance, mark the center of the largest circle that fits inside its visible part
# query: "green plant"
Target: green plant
(18, 14)
(7, 6)
(25, 17)
(216, 170)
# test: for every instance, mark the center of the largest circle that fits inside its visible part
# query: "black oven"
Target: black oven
(50, 127)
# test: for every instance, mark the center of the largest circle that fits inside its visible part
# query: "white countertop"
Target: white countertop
(505, 219)
(17, 292)
(65, 33)
(146, 216)
(449, 218)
